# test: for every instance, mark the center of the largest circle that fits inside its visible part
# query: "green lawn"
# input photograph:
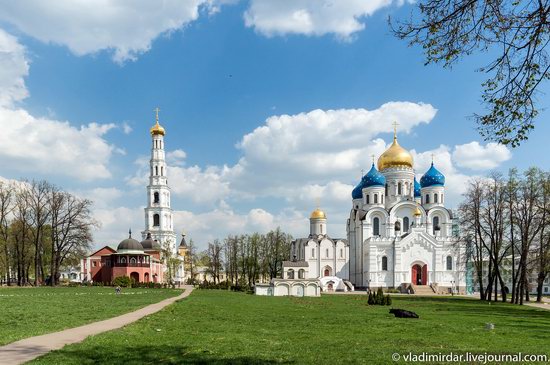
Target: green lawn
(218, 327)
(26, 312)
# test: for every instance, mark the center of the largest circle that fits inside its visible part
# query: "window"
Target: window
(384, 263)
(427, 199)
(123, 260)
(375, 198)
(156, 170)
(406, 224)
(368, 196)
(327, 253)
(386, 190)
(435, 222)
(133, 260)
(290, 274)
(301, 274)
(376, 226)
(94, 263)
(312, 253)
(399, 189)
(435, 198)
(156, 220)
(341, 253)
(162, 171)
(381, 199)
(441, 197)
(156, 197)
(321, 228)
(449, 263)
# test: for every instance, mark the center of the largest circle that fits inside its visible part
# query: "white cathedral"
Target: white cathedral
(399, 232)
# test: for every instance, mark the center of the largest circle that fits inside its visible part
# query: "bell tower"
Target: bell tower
(158, 213)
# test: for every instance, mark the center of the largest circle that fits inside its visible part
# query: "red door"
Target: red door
(424, 274)
(416, 270)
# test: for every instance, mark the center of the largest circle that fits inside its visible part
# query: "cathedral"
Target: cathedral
(399, 232)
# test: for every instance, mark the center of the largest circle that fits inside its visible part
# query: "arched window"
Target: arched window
(384, 263)
(301, 274)
(290, 274)
(406, 224)
(321, 228)
(133, 260)
(449, 263)
(427, 198)
(156, 220)
(327, 253)
(312, 253)
(375, 198)
(123, 260)
(156, 197)
(341, 253)
(399, 189)
(376, 226)
(368, 196)
(441, 197)
(156, 170)
(435, 223)
(436, 198)
(386, 190)
(162, 171)
(382, 199)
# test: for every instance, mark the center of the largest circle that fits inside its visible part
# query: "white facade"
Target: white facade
(398, 237)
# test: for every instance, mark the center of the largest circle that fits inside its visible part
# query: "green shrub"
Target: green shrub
(122, 281)
(371, 298)
(379, 300)
(388, 300)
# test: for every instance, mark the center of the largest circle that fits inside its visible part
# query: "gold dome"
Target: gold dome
(318, 214)
(417, 212)
(395, 156)
(157, 128)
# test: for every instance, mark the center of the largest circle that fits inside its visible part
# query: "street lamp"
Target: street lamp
(452, 287)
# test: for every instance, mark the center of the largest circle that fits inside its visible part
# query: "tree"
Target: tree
(7, 196)
(215, 262)
(516, 32)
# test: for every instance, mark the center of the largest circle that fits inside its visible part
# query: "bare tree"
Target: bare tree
(7, 196)
(516, 32)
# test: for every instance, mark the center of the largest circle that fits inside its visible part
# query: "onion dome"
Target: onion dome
(157, 128)
(432, 177)
(417, 212)
(129, 244)
(417, 187)
(395, 156)
(357, 192)
(318, 214)
(148, 242)
(373, 178)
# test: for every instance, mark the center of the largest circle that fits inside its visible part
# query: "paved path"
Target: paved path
(30, 348)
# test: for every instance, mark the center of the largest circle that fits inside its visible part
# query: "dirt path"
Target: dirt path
(30, 348)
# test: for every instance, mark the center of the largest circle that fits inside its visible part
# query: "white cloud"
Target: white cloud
(44, 145)
(477, 157)
(126, 128)
(176, 157)
(311, 17)
(85, 27)
(14, 67)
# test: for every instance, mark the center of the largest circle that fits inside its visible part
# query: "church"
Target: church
(399, 231)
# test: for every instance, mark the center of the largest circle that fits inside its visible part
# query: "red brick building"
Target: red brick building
(137, 260)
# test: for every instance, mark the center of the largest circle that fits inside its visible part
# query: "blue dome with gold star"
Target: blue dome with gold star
(373, 178)
(432, 177)
(417, 193)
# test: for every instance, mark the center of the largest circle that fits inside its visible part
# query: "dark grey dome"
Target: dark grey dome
(148, 242)
(130, 244)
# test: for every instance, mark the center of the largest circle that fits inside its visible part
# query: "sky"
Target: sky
(270, 106)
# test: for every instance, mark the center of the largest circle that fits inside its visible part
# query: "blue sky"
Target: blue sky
(219, 71)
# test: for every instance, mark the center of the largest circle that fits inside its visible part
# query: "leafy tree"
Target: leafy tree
(515, 33)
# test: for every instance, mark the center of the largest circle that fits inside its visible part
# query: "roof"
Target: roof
(295, 264)
(109, 248)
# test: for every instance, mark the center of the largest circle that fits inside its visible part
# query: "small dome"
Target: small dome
(148, 242)
(318, 214)
(373, 178)
(357, 192)
(417, 212)
(417, 187)
(395, 156)
(432, 177)
(129, 244)
(157, 129)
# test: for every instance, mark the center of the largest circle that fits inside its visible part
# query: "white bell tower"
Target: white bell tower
(158, 213)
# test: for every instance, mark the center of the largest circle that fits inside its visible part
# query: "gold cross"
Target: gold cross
(157, 110)
(395, 124)
(372, 159)
(432, 158)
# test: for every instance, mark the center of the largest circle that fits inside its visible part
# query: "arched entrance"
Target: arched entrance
(135, 277)
(330, 286)
(419, 274)
(327, 271)
(146, 277)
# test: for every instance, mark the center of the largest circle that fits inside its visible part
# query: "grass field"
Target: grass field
(218, 327)
(27, 312)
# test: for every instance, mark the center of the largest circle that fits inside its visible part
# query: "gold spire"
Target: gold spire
(157, 128)
(396, 155)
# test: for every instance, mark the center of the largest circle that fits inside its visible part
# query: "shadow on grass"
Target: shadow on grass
(154, 354)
